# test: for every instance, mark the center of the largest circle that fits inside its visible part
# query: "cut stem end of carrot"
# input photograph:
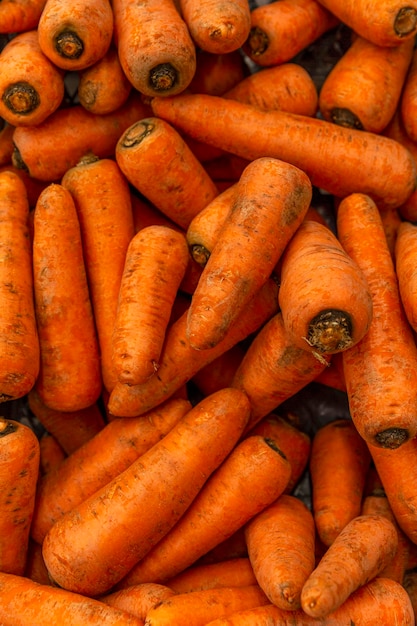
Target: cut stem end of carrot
(68, 45)
(330, 331)
(21, 98)
(405, 21)
(258, 41)
(392, 438)
(163, 77)
(344, 117)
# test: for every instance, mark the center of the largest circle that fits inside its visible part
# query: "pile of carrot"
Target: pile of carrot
(169, 279)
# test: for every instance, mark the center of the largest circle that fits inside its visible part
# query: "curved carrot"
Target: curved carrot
(20, 16)
(137, 600)
(380, 371)
(19, 346)
(217, 73)
(331, 155)
(95, 544)
(237, 572)
(154, 45)
(72, 37)
(408, 102)
(405, 267)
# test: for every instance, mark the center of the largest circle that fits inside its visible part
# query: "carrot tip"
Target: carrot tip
(68, 45)
(21, 98)
(163, 77)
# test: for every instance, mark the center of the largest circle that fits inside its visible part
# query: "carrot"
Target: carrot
(6, 144)
(391, 220)
(70, 429)
(380, 370)
(274, 369)
(408, 102)
(103, 87)
(217, 27)
(387, 24)
(33, 187)
(102, 199)
(35, 565)
(282, 29)
(333, 375)
(410, 585)
(155, 48)
(70, 375)
(145, 214)
(21, 15)
(180, 362)
(332, 156)
(98, 461)
(19, 339)
(219, 373)
(203, 606)
(271, 200)
(232, 548)
(237, 572)
(324, 297)
(47, 150)
(254, 474)
(51, 453)
(138, 599)
(19, 470)
(405, 249)
(217, 73)
(184, 189)
(97, 543)
(72, 37)
(24, 602)
(339, 462)
(287, 87)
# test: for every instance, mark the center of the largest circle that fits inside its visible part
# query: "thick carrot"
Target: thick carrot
(255, 473)
(271, 200)
(19, 16)
(47, 150)
(338, 465)
(380, 371)
(237, 572)
(97, 543)
(138, 599)
(220, 372)
(180, 362)
(51, 453)
(102, 199)
(217, 27)
(19, 470)
(364, 87)
(6, 144)
(408, 101)
(184, 188)
(280, 30)
(98, 461)
(154, 45)
(324, 297)
(70, 374)
(72, 37)
(19, 347)
(217, 73)
(332, 156)
(405, 267)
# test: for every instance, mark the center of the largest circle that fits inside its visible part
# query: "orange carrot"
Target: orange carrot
(19, 339)
(145, 214)
(72, 37)
(51, 453)
(405, 267)
(154, 45)
(361, 551)
(217, 27)
(339, 462)
(280, 30)
(33, 187)
(380, 371)
(17, 16)
(231, 548)
(138, 599)
(184, 189)
(331, 155)
(333, 375)
(220, 372)
(19, 470)
(255, 473)
(35, 565)
(237, 572)
(102, 199)
(98, 461)
(97, 543)
(6, 143)
(391, 220)
(70, 376)
(408, 101)
(271, 200)
(217, 73)
(324, 297)
(281, 549)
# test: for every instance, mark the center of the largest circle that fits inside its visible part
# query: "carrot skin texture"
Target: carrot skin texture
(405, 264)
(51, 453)
(311, 144)
(408, 102)
(236, 572)
(138, 599)
(217, 73)
(113, 539)
(17, 17)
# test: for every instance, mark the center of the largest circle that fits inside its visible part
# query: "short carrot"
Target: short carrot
(271, 200)
(96, 544)
(20, 16)
(324, 297)
(72, 37)
(19, 347)
(137, 600)
(380, 370)
(155, 48)
(237, 572)
(217, 73)
(311, 144)
(405, 264)
(408, 102)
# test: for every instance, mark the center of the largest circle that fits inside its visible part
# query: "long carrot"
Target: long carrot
(380, 370)
(405, 268)
(95, 545)
(19, 346)
(332, 156)
(154, 46)
(20, 16)
(138, 599)
(237, 572)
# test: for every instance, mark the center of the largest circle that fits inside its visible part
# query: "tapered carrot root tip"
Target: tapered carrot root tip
(330, 331)
(68, 45)
(344, 117)
(21, 98)
(200, 254)
(163, 77)
(392, 438)
(405, 21)
(258, 41)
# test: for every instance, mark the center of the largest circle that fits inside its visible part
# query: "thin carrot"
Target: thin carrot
(332, 156)
(97, 543)
(98, 461)
(220, 372)
(72, 37)
(138, 599)
(254, 474)
(408, 102)
(380, 371)
(339, 462)
(154, 45)
(280, 30)
(51, 453)
(405, 267)
(237, 572)
(19, 338)
(185, 187)
(21, 15)
(217, 73)
(102, 199)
